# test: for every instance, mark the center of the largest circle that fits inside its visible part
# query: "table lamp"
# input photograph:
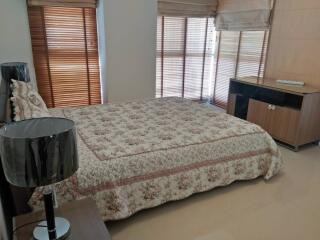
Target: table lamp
(40, 152)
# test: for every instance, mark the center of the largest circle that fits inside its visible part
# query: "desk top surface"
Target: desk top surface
(272, 84)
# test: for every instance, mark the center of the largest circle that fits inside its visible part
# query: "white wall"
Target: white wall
(15, 42)
(128, 58)
(127, 38)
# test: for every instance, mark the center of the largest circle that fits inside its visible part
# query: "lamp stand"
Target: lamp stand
(53, 228)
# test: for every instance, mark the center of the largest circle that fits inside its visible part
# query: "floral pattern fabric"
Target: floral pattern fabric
(141, 154)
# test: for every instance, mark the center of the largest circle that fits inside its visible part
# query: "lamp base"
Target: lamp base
(62, 230)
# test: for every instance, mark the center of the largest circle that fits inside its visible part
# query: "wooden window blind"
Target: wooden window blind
(65, 51)
(239, 54)
(185, 49)
(64, 3)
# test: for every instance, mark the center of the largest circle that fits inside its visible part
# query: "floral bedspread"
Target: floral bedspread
(141, 154)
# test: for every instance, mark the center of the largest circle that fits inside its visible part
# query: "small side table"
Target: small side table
(83, 215)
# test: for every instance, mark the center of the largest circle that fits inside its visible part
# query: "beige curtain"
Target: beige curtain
(187, 8)
(243, 15)
(64, 3)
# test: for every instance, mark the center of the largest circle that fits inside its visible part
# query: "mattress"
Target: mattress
(141, 154)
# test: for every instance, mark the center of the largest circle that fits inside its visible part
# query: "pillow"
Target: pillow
(26, 101)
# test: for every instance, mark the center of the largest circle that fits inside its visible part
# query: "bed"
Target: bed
(141, 154)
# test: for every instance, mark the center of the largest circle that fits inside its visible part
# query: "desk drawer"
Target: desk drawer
(282, 123)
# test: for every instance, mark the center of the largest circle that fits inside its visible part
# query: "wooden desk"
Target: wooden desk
(272, 84)
(86, 223)
(290, 114)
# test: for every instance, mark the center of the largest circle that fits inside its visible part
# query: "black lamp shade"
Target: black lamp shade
(38, 152)
(15, 70)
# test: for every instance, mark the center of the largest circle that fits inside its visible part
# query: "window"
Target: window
(194, 61)
(65, 51)
(239, 54)
(185, 48)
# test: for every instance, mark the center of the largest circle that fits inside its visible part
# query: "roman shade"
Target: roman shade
(187, 8)
(244, 15)
(64, 3)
